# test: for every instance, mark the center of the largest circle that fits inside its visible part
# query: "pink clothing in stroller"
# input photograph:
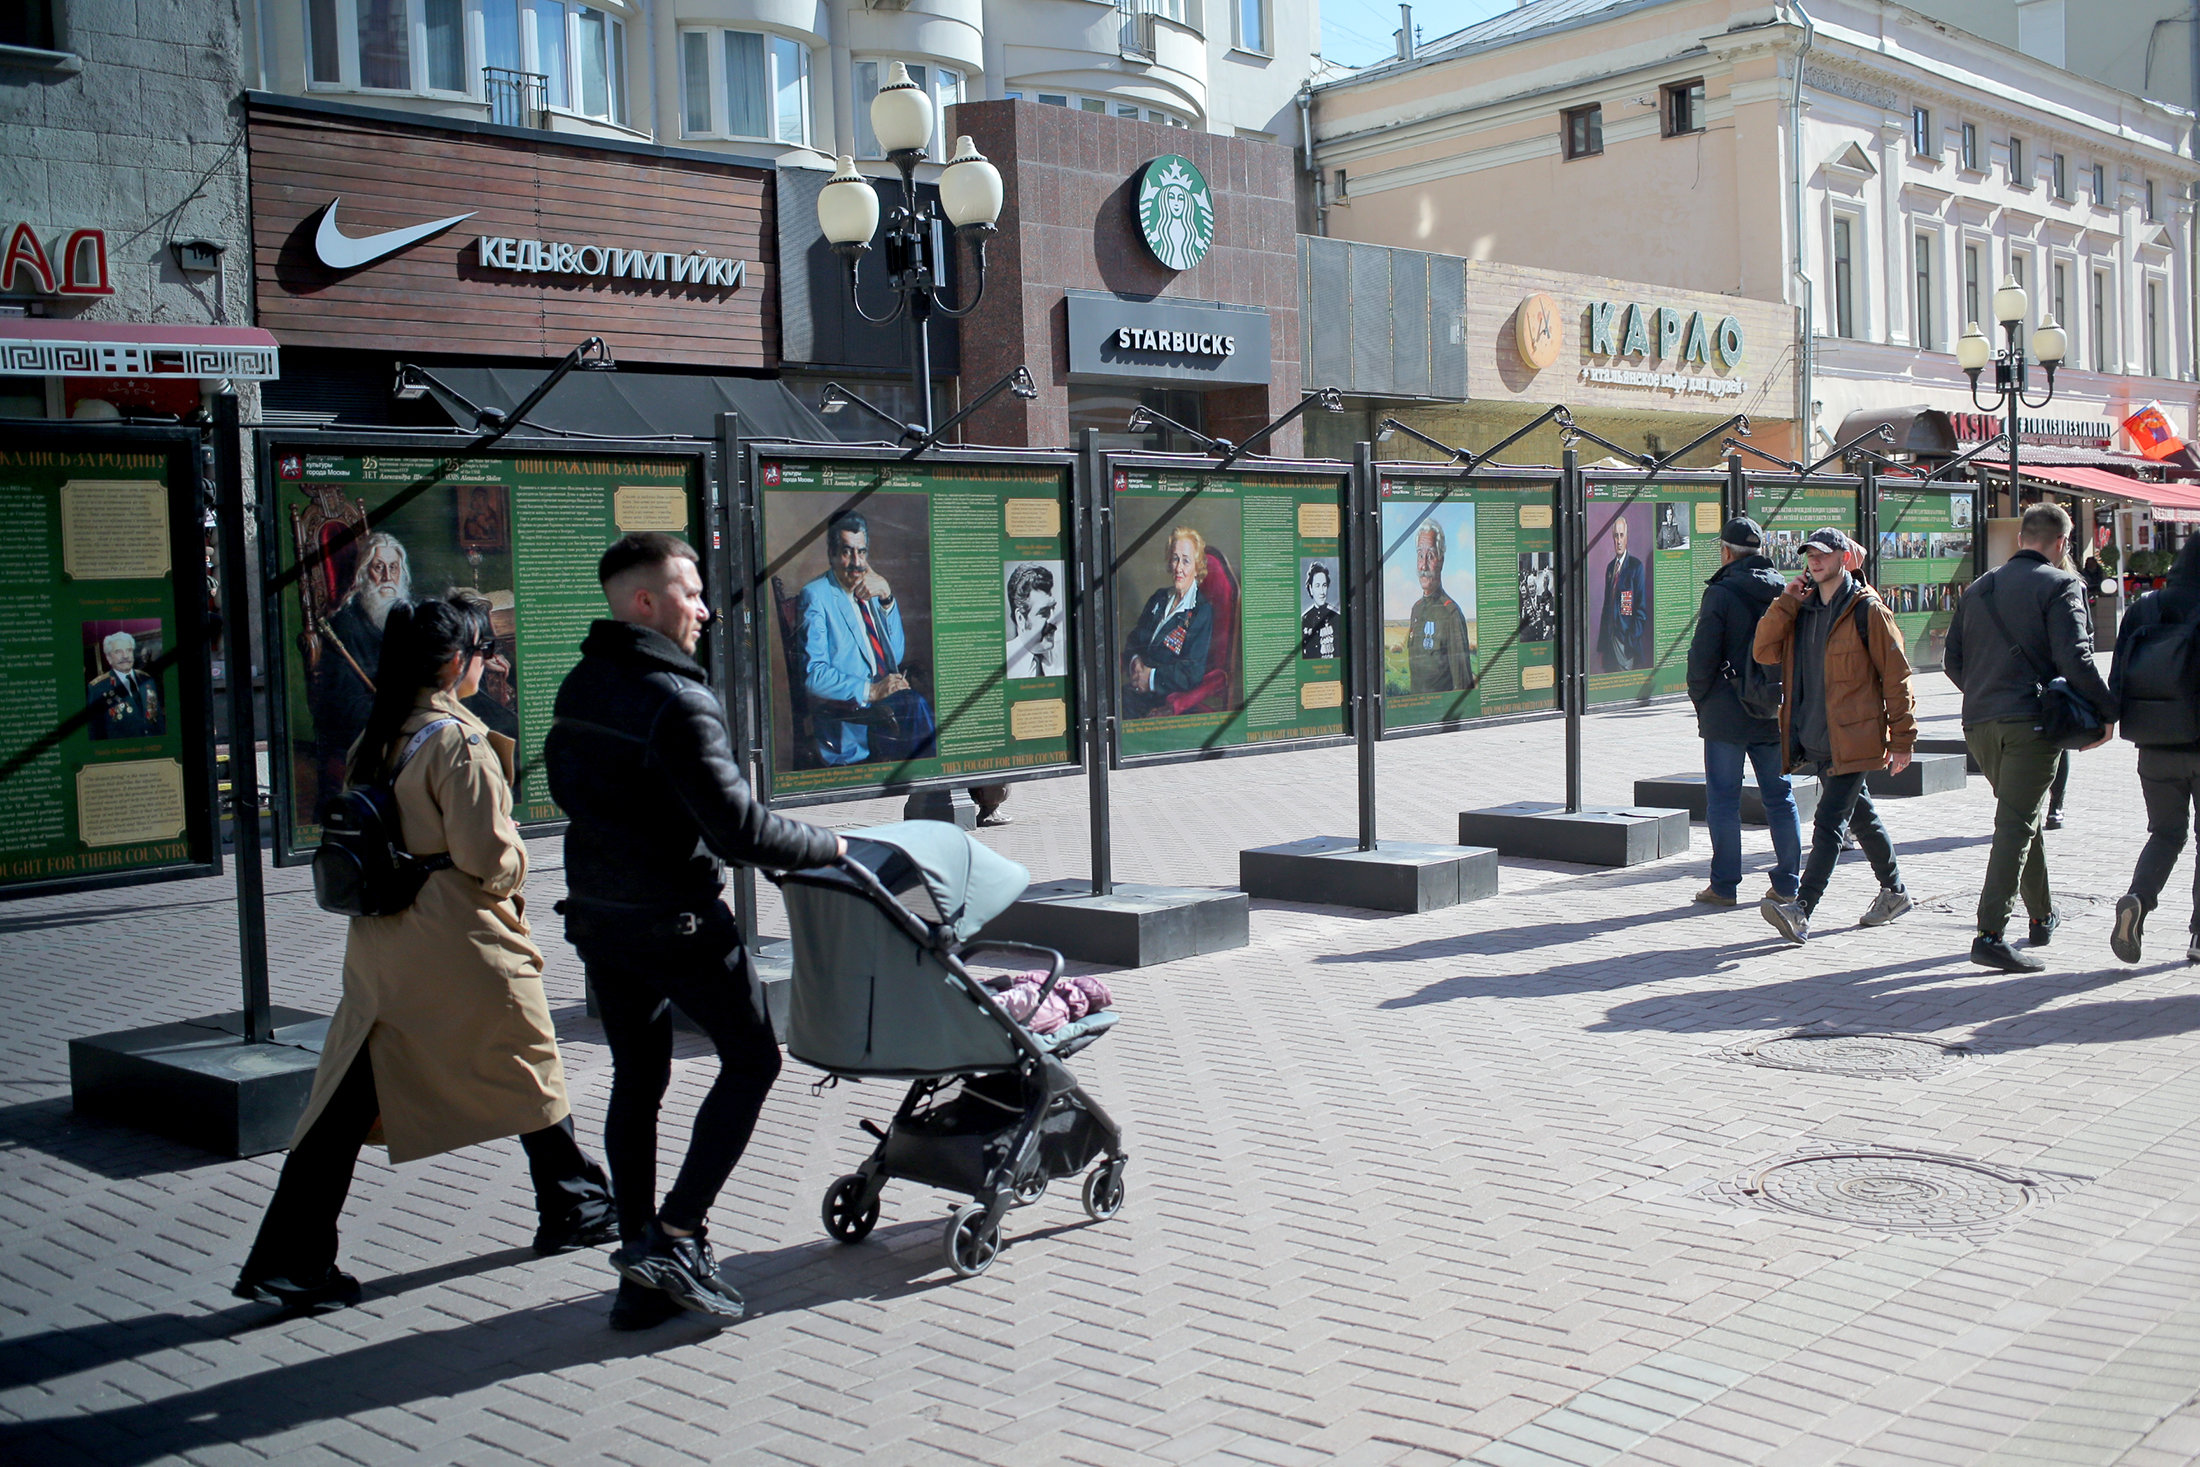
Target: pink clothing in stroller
(1077, 995)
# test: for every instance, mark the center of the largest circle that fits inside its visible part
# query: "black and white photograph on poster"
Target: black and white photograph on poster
(1538, 596)
(1960, 507)
(1036, 647)
(122, 698)
(1320, 624)
(1672, 527)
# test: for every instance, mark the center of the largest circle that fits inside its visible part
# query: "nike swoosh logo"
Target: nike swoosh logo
(341, 251)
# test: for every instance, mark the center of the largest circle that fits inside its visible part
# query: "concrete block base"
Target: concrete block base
(1132, 927)
(198, 1082)
(1397, 876)
(1686, 792)
(953, 806)
(1626, 835)
(1928, 774)
(1951, 746)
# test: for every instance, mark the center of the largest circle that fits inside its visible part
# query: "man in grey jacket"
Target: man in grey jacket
(2018, 621)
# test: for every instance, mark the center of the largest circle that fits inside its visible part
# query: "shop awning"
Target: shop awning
(632, 404)
(32, 346)
(1918, 429)
(2170, 503)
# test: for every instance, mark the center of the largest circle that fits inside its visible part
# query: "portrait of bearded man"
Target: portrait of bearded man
(341, 694)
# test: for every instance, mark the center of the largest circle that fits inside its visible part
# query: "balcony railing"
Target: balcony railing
(516, 98)
(1138, 18)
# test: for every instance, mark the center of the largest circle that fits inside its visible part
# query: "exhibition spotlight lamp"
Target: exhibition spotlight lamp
(415, 382)
(1331, 400)
(1739, 423)
(1469, 462)
(1974, 352)
(1735, 445)
(1143, 419)
(835, 397)
(970, 195)
(1018, 382)
(1880, 431)
(1964, 458)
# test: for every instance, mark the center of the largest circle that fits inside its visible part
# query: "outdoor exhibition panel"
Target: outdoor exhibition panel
(916, 631)
(1649, 544)
(1226, 609)
(106, 730)
(1470, 595)
(1924, 560)
(1787, 510)
(352, 524)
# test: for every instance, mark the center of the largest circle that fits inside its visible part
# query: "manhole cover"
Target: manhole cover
(1911, 1193)
(1871, 1056)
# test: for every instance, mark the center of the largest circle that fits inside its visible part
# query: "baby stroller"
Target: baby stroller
(881, 991)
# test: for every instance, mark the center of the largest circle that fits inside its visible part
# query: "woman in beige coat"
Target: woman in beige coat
(442, 1038)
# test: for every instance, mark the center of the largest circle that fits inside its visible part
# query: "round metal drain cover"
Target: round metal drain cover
(1871, 1056)
(1883, 1190)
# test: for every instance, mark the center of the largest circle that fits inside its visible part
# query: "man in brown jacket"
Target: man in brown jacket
(1846, 711)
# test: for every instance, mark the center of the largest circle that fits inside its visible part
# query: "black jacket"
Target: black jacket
(2044, 608)
(2178, 601)
(1726, 627)
(640, 761)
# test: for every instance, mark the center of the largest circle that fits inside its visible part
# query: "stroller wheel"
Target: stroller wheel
(1104, 1191)
(1030, 1190)
(846, 1218)
(971, 1246)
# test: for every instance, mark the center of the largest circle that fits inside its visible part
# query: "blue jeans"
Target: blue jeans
(1722, 784)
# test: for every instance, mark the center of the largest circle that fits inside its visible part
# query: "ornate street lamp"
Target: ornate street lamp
(848, 212)
(1974, 351)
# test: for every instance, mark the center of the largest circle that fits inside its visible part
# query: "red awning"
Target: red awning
(2172, 503)
(36, 347)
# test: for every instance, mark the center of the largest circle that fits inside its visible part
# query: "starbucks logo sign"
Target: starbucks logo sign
(1176, 212)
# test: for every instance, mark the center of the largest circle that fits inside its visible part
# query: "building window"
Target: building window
(760, 87)
(1970, 286)
(1684, 107)
(1252, 25)
(2018, 178)
(579, 51)
(945, 84)
(2156, 356)
(2060, 295)
(1098, 106)
(2100, 186)
(1585, 131)
(34, 24)
(382, 55)
(2151, 215)
(1922, 141)
(1970, 146)
(2020, 270)
(1344, 192)
(2061, 172)
(1844, 276)
(2097, 322)
(1928, 330)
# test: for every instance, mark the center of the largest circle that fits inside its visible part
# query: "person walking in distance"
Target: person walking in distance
(2012, 626)
(1719, 658)
(2156, 684)
(639, 758)
(1846, 710)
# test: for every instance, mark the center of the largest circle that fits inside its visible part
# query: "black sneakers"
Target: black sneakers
(683, 1269)
(641, 1307)
(2130, 928)
(1989, 951)
(335, 1289)
(2042, 933)
(577, 1230)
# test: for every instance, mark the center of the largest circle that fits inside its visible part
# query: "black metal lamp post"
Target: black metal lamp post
(970, 193)
(1974, 351)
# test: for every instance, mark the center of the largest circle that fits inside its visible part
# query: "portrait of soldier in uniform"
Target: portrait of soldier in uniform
(1320, 624)
(1168, 649)
(1538, 597)
(1672, 528)
(1035, 647)
(124, 703)
(341, 694)
(1439, 658)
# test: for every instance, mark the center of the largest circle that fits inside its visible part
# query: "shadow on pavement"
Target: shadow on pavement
(108, 1149)
(2096, 1023)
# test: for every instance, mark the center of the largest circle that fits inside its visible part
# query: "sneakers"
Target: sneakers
(1989, 951)
(640, 1307)
(2131, 921)
(1789, 917)
(577, 1230)
(1888, 905)
(2042, 933)
(335, 1289)
(2054, 820)
(1711, 897)
(683, 1269)
(2192, 949)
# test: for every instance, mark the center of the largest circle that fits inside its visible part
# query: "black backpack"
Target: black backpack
(1758, 684)
(2160, 681)
(362, 868)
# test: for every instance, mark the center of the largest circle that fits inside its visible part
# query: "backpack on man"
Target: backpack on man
(2160, 681)
(1758, 684)
(362, 868)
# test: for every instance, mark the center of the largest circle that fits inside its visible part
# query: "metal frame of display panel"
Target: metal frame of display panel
(745, 549)
(188, 502)
(706, 507)
(1372, 572)
(1721, 483)
(1103, 494)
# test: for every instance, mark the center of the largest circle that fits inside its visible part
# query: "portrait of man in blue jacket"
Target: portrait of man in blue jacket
(855, 654)
(1623, 635)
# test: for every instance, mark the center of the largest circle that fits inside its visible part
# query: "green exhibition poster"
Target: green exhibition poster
(103, 739)
(357, 531)
(1651, 548)
(1787, 513)
(1470, 598)
(919, 623)
(1925, 563)
(1229, 607)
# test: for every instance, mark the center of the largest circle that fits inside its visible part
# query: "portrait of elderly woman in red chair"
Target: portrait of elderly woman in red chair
(1176, 659)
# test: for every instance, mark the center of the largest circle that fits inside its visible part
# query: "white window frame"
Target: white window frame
(2097, 181)
(1128, 109)
(1859, 291)
(349, 75)
(721, 111)
(1967, 156)
(1265, 43)
(1925, 323)
(2101, 328)
(1923, 141)
(2156, 330)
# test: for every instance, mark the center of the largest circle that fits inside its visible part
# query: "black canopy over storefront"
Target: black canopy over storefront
(1917, 430)
(638, 404)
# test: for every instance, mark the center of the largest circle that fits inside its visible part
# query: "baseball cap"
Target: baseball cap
(1828, 539)
(1743, 533)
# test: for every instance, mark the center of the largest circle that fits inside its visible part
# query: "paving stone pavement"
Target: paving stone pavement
(1465, 1186)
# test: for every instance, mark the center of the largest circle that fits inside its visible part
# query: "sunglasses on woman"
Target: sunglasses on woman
(487, 647)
